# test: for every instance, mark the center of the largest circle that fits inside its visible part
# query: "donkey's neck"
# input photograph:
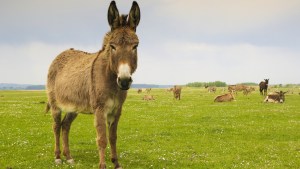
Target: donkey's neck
(102, 75)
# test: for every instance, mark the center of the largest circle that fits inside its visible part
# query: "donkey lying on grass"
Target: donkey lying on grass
(277, 97)
(225, 97)
(81, 82)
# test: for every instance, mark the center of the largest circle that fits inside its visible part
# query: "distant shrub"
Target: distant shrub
(203, 84)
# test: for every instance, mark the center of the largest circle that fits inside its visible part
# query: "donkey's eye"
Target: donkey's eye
(134, 47)
(112, 47)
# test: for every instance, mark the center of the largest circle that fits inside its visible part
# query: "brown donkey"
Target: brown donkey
(81, 82)
(263, 87)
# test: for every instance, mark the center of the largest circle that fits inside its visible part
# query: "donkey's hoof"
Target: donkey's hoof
(58, 161)
(118, 166)
(71, 161)
(102, 166)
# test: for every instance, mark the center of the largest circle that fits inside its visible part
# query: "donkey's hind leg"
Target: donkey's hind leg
(66, 125)
(56, 114)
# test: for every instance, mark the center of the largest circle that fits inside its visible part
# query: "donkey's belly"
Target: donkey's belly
(69, 107)
(73, 103)
(73, 95)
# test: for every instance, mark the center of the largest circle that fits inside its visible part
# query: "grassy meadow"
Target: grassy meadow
(165, 133)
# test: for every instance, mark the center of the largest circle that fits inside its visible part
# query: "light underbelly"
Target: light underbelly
(74, 108)
(109, 108)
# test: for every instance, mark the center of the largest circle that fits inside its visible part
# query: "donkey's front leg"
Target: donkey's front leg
(100, 124)
(113, 139)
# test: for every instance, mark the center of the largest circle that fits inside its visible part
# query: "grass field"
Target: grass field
(165, 133)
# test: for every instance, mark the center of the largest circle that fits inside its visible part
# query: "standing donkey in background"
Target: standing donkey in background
(263, 87)
(81, 82)
(177, 92)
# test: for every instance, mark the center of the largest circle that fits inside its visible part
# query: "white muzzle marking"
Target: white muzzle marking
(124, 71)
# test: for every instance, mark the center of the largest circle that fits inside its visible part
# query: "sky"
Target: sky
(181, 41)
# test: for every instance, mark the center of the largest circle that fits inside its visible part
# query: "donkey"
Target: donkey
(277, 97)
(177, 92)
(248, 90)
(148, 97)
(97, 83)
(139, 91)
(212, 89)
(231, 88)
(263, 87)
(148, 90)
(225, 97)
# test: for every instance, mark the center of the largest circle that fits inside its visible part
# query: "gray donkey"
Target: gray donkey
(97, 83)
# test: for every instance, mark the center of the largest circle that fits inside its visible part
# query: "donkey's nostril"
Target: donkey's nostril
(124, 83)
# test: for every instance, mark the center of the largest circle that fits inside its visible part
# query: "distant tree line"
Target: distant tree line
(286, 85)
(35, 87)
(249, 84)
(21, 87)
(150, 86)
(203, 84)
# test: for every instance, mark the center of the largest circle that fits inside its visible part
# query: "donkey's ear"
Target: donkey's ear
(134, 16)
(113, 16)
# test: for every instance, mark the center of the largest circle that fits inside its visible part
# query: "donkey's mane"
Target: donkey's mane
(84, 52)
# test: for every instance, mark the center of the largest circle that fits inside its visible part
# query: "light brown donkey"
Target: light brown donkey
(81, 82)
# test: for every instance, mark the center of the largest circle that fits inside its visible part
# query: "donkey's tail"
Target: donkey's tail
(47, 108)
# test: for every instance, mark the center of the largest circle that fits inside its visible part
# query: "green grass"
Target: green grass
(194, 132)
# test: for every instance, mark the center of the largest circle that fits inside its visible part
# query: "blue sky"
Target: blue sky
(180, 41)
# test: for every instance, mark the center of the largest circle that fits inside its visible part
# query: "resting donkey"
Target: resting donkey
(81, 82)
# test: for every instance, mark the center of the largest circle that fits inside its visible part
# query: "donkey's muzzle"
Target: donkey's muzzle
(124, 83)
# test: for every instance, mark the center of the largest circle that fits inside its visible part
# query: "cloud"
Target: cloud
(233, 16)
(180, 41)
(183, 62)
(29, 63)
(53, 21)
(170, 63)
